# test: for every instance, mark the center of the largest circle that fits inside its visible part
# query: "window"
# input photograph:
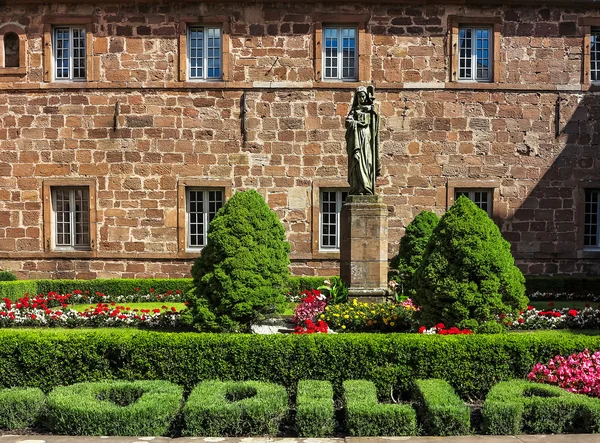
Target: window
(590, 227)
(11, 50)
(329, 218)
(204, 52)
(481, 197)
(69, 53)
(595, 54)
(71, 218)
(201, 207)
(475, 53)
(340, 53)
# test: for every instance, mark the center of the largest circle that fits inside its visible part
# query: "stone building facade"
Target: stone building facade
(124, 125)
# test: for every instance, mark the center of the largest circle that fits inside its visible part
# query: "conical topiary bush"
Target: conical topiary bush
(412, 247)
(468, 274)
(242, 273)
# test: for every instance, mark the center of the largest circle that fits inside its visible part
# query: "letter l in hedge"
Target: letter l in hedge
(366, 417)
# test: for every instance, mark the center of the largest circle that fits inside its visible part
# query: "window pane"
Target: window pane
(590, 237)
(595, 54)
(330, 205)
(202, 206)
(71, 208)
(11, 50)
(465, 53)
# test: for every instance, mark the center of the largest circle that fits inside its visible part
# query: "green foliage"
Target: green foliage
(20, 407)
(412, 248)
(467, 275)
(7, 276)
(111, 286)
(17, 289)
(241, 276)
(365, 416)
(440, 410)
(114, 408)
(217, 408)
(315, 414)
(472, 364)
(518, 406)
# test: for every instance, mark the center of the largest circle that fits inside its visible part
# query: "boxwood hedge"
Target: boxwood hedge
(315, 414)
(20, 407)
(472, 364)
(114, 408)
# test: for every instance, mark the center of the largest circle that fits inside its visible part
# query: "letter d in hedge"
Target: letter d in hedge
(366, 417)
(230, 408)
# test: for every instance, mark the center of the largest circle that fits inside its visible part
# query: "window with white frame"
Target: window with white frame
(595, 54)
(475, 55)
(69, 53)
(590, 226)
(330, 206)
(71, 218)
(340, 60)
(481, 197)
(201, 207)
(204, 53)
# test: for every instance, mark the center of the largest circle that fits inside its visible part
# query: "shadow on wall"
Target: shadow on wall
(557, 171)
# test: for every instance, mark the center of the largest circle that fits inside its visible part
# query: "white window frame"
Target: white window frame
(72, 220)
(590, 223)
(339, 201)
(471, 194)
(71, 56)
(473, 56)
(595, 54)
(205, 50)
(340, 54)
(207, 215)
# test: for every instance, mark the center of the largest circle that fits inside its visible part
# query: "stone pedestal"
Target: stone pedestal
(363, 247)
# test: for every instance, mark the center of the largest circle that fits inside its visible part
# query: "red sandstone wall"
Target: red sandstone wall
(435, 133)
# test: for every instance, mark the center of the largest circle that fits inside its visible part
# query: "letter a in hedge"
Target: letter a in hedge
(518, 406)
(366, 417)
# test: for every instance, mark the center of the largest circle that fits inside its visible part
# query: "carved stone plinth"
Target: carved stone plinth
(363, 247)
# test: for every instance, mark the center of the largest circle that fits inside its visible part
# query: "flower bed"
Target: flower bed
(36, 312)
(531, 318)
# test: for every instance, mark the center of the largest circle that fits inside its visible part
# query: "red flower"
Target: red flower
(173, 308)
(136, 289)
(530, 308)
(521, 321)
(422, 329)
(33, 316)
(558, 314)
(572, 312)
(151, 289)
(440, 326)
(178, 292)
(156, 311)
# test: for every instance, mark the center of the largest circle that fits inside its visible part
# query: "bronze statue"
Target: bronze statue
(362, 142)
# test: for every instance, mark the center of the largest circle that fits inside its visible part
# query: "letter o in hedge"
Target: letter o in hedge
(114, 408)
(230, 408)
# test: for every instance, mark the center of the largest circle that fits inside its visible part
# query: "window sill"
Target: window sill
(13, 71)
(589, 253)
(70, 254)
(331, 255)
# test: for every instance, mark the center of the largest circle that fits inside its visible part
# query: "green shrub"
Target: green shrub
(365, 416)
(7, 276)
(518, 406)
(20, 407)
(114, 408)
(217, 408)
(440, 410)
(472, 364)
(17, 289)
(412, 248)
(315, 414)
(467, 275)
(241, 276)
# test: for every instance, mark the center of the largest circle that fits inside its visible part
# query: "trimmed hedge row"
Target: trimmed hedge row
(111, 286)
(518, 406)
(21, 407)
(472, 364)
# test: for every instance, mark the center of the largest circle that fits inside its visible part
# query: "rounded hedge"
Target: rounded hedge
(241, 276)
(468, 275)
(7, 276)
(20, 407)
(412, 247)
(114, 408)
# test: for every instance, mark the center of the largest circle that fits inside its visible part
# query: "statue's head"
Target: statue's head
(361, 96)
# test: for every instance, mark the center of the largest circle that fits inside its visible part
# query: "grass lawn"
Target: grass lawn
(560, 304)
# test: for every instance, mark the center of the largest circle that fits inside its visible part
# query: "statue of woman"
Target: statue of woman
(362, 142)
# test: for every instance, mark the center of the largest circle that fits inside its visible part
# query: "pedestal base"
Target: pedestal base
(363, 246)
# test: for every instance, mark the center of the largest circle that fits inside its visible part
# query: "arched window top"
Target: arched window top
(11, 50)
